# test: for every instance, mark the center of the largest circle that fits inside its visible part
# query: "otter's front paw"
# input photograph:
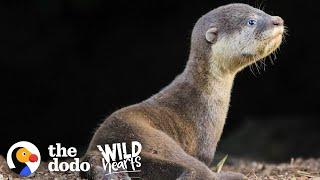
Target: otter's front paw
(230, 176)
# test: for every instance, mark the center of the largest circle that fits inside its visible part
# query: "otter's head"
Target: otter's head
(236, 35)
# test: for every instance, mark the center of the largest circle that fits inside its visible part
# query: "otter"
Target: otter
(180, 126)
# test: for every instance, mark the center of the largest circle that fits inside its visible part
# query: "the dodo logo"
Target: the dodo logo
(23, 158)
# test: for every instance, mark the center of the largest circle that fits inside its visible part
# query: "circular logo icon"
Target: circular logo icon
(23, 158)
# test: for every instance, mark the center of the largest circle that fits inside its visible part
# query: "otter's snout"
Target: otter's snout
(277, 21)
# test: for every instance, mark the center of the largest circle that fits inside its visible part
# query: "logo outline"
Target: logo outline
(30, 165)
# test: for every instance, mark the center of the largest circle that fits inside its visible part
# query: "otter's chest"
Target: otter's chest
(209, 130)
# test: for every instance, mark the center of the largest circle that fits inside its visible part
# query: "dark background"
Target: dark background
(66, 64)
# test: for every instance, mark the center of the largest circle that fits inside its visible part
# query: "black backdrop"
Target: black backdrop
(67, 64)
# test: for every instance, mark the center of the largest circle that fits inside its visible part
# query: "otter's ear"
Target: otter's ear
(212, 35)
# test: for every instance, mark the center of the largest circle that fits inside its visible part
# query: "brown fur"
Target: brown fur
(179, 127)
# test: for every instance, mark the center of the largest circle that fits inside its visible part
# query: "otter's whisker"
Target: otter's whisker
(286, 31)
(251, 70)
(271, 60)
(263, 64)
(257, 66)
(284, 40)
(274, 55)
(260, 5)
(285, 34)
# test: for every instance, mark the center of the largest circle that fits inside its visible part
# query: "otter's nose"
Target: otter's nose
(277, 21)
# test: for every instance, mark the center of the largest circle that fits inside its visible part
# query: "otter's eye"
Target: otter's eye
(252, 22)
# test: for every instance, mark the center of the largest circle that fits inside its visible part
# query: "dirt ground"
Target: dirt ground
(297, 169)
